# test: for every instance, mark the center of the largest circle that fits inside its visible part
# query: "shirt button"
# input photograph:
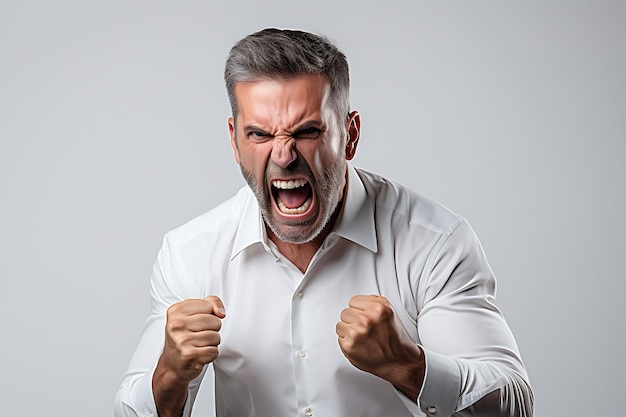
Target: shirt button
(302, 354)
(300, 294)
(308, 411)
(431, 410)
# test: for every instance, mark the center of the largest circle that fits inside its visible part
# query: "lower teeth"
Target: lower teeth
(298, 210)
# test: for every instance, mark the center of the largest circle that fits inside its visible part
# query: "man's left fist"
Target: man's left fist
(374, 340)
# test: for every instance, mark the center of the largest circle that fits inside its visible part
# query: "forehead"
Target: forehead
(283, 102)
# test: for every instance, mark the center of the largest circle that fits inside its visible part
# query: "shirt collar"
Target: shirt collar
(251, 228)
(357, 219)
(356, 222)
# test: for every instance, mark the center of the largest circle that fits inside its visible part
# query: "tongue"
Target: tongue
(293, 198)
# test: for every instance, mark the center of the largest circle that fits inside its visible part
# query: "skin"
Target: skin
(286, 129)
(191, 341)
(374, 340)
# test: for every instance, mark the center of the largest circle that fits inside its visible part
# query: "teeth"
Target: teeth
(299, 210)
(289, 185)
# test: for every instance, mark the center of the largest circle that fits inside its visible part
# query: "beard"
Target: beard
(328, 191)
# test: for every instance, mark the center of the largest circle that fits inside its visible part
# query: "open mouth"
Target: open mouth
(292, 197)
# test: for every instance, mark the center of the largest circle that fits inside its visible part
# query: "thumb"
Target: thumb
(218, 305)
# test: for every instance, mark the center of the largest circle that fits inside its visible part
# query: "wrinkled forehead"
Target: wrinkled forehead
(283, 102)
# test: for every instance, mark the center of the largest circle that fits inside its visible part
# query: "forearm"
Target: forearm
(468, 345)
(408, 377)
(501, 403)
(512, 397)
(475, 387)
(170, 394)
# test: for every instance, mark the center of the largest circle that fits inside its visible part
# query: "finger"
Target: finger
(217, 306)
(350, 315)
(341, 329)
(362, 302)
(190, 307)
(206, 338)
(203, 322)
(205, 355)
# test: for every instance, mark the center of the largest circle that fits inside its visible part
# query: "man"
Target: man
(320, 289)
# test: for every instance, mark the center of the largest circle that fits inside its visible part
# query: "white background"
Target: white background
(113, 131)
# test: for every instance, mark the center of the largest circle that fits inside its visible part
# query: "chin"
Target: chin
(296, 234)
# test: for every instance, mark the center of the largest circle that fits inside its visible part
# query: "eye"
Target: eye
(258, 136)
(308, 133)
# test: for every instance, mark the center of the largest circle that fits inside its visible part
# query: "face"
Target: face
(292, 152)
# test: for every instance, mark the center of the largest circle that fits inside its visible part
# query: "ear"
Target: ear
(233, 139)
(353, 131)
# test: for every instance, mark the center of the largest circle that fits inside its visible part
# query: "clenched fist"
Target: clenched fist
(373, 339)
(191, 341)
(191, 336)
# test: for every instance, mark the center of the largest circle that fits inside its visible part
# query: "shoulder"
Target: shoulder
(401, 205)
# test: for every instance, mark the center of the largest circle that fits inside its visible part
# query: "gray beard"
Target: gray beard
(328, 197)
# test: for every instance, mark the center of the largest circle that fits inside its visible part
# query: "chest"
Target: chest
(279, 345)
(275, 311)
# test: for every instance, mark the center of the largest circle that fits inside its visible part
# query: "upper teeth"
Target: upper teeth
(289, 185)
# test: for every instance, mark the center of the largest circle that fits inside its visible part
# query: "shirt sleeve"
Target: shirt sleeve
(134, 397)
(469, 349)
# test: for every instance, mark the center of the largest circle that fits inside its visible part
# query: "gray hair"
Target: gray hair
(275, 53)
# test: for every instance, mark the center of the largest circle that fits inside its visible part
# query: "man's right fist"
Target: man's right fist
(192, 336)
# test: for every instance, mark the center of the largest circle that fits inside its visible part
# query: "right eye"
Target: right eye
(259, 136)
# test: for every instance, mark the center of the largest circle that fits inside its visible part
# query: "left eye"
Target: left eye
(308, 133)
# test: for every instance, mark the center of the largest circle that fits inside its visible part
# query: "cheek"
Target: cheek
(327, 157)
(254, 159)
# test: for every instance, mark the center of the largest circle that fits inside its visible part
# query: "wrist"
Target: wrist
(169, 391)
(408, 375)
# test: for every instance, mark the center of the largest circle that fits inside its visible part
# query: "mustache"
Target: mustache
(297, 167)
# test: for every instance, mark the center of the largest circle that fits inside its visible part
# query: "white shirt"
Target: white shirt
(279, 354)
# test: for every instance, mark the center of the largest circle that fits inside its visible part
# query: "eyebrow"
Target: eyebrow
(254, 128)
(310, 123)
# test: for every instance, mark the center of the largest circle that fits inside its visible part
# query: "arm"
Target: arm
(191, 340)
(153, 379)
(459, 323)
(467, 360)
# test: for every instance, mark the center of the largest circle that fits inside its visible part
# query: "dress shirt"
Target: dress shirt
(279, 355)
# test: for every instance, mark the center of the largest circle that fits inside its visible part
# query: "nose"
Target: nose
(283, 151)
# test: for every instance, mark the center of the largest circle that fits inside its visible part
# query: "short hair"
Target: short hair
(275, 53)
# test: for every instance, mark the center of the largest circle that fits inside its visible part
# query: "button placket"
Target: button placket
(299, 346)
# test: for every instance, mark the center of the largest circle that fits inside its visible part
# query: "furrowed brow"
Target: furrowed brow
(311, 123)
(253, 128)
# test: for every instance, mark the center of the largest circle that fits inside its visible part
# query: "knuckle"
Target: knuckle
(383, 311)
(354, 334)
(346, 344)
(217, 323)
(366, 322)
(172, 310)
(212, 354)
(175, 324)
(187, 355)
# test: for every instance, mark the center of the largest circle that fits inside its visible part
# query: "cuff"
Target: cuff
(441, 387)
(143, 399)
(145, 405)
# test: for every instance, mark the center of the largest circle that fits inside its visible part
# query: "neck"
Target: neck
(301, 254)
